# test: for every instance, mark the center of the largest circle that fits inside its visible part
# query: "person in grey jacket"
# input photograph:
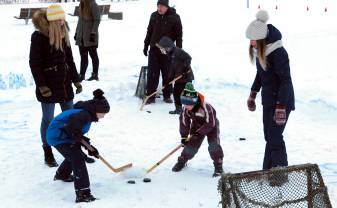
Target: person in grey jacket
(86, 36)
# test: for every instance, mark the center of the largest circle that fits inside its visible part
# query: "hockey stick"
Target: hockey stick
(115, 170)
(166, 156)
(175, 79)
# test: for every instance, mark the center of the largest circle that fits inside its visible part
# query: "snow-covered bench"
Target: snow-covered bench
(27, 13)
(116, 15)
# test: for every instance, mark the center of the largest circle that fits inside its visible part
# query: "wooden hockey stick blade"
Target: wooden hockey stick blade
(147, 97)
(115, 170)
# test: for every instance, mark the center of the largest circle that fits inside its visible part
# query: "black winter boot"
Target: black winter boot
(93, 77)
(84, 196)
(168, 100)
(49, 157)
(179, 165)
(58, 176)
(178, 110)
(217, 170)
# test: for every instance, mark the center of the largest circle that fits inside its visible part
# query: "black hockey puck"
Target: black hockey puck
(148, 111)
(131, 181)
(242, 139)
(147, 180)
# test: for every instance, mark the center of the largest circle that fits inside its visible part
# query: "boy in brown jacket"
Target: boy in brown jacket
(198, 120)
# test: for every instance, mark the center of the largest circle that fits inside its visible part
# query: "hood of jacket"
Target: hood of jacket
(170, 11)
(273, 34)
(40, 21)
(87, 106)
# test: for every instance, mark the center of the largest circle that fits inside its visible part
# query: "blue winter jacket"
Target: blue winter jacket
(276, 83)
(71, 124)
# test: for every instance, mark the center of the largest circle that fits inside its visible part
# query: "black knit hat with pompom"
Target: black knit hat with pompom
(100, 102)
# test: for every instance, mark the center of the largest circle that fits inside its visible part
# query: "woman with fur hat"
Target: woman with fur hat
(198, 120)
(273, 77)
(86, 36)
(53, 68)
(65, 133)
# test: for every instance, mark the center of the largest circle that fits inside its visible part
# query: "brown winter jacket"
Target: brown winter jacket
(52, 68)
(200, 120)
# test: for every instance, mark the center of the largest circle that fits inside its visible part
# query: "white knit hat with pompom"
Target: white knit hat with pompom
(258, 29)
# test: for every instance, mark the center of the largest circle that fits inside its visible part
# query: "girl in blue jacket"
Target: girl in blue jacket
(273, 77)
(65, 133)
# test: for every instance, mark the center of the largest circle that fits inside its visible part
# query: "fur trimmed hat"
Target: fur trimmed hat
(163, 2)
(55, 12)
(100, 102)
(258, 30)
(189, 96)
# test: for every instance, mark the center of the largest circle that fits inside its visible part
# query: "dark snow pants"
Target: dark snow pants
(177, 90)
(214, 147)
(74, 162)
(158, 63)
(275, 151)
(92, 50)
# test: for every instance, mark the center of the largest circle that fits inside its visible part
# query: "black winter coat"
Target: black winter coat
(168, 25)
(52, 68)
(180, 64)
(276, 83)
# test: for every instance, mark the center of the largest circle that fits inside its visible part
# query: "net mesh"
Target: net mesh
(299, 186)
(141, 86)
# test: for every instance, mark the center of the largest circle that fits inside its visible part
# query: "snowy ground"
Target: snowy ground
(214, 36)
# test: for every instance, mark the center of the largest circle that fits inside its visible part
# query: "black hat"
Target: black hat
(166, 43)
(100, 102)
(163, 2)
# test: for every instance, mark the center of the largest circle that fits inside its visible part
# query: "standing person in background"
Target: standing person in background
(164, 22)
(86, 37)
(53, 68)
(273, 76)
(180, 64)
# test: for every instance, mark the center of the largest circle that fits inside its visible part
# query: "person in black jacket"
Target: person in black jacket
(273, 76)
(180, 64)
(53, 68)
(66, 133)
(164, 22)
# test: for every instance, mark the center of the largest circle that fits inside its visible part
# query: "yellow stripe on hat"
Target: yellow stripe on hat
(55, 13)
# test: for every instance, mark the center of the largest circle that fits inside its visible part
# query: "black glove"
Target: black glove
(75, 36)
(146, 48)
(92, 37)
(86, 139)
(93, 152)
(184, 140)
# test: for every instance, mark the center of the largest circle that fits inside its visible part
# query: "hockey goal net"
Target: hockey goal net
(299, 186)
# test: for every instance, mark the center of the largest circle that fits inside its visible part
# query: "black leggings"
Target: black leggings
(84, 59)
